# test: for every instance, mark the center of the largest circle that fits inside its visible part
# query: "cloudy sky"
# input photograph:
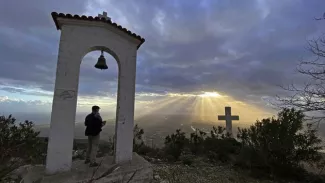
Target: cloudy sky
(240, 49)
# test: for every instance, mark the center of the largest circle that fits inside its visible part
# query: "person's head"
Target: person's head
(95, 109)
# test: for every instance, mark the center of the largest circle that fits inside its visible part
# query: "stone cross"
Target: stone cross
(228, 117)
(104, 15)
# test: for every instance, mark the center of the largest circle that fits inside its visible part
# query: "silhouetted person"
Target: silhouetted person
(94, 124)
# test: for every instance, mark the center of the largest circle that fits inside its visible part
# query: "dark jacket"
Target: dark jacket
(93, 125)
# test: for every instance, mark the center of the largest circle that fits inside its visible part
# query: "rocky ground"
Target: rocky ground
(164, 173)
(187, 174)
(198, 172)
(201, 171)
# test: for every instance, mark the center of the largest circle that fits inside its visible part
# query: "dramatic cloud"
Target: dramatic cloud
(243, 49)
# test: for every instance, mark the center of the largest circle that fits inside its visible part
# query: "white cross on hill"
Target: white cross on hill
(228, 117)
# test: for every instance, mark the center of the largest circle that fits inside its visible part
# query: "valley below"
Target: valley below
(156, 127)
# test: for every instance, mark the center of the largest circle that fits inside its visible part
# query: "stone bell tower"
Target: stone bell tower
(79, 36)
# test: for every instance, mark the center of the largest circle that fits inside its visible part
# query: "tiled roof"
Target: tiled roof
(56, 15)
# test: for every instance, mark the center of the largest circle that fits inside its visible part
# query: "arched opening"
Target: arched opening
(107, 50)
(97, 87)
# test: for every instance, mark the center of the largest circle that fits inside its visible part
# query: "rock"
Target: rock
(21, 171)
(80, 172)
(156, 177)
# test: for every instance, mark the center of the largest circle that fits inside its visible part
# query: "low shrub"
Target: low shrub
(175, 144)
(19, 145)
(187, 159)
(196, 142)
(278, 146)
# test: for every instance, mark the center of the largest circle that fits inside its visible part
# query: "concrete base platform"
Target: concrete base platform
(137, 171)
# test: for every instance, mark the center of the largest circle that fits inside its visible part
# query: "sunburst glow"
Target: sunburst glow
(202, 107)
(210, 94)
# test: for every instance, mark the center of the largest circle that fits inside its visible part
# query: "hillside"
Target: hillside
(214, 157)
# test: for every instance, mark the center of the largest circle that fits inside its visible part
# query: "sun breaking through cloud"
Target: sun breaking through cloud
(203, 107)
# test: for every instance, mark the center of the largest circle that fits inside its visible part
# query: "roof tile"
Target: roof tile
(56, 15)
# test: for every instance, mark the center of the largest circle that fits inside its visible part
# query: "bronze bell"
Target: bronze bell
(101, 63)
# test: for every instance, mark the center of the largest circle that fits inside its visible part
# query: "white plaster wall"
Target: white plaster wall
(75, 42)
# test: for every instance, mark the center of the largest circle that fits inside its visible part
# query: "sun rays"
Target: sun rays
(202, 107)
